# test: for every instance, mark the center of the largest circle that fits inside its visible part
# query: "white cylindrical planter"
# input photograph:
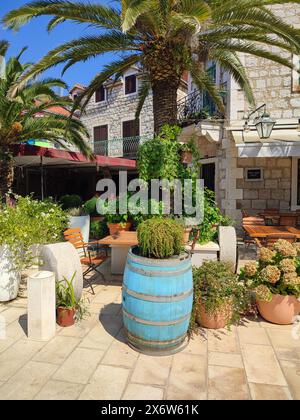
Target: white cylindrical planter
(41, 307)
(82, 222)
(228, 245)
(9, 277)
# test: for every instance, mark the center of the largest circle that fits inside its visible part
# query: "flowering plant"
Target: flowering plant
(276, 272)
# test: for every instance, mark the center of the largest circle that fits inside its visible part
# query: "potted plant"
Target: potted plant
(275, 281)
(78, 218)
(70, 201)
(23, 229)
(219, 297)
(158, 289)
(68, 308)
(186, 155)
(115, 220)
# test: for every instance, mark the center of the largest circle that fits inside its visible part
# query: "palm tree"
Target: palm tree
(18, 116)
(166, 37)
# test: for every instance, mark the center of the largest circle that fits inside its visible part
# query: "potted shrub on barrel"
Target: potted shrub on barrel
(219, 297)
(275, 281)
(68, 308)
(158, 289)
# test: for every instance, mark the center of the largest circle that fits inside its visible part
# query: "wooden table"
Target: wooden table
(120, 244)
(255, 231)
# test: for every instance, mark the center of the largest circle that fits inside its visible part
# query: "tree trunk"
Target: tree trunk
(164, 103)
(6, 172)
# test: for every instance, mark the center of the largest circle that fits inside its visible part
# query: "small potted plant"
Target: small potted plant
(115, 220)
(219, 297)
(275, 281)
(68, 308)
(186, 154)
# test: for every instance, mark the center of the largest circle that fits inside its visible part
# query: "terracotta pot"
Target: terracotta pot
(186, 235)
(65, 317)
(118, 227)
(186, 157)
(216, 319)
(281, 310)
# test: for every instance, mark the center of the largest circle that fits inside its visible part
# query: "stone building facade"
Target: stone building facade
(235, 154)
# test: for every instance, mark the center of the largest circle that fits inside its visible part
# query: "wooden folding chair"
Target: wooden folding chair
(74, 236)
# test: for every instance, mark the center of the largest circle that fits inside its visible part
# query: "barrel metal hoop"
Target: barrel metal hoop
(157, 273)
(172, 262)
(156, 323)
(151, 298)
(154, 342)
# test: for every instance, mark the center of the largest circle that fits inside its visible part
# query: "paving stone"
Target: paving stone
(16, 356)
(143, 392)
(227, 383)
(250, 322)
(198, 344)
(12, 314)
(253, 335)
(102, 335)
(107, 383)
(223, 340)
(80, 329)
(262, 365)
(107, 296)
(57, 350)
(58, 390)
(225, 359)
(188, 378)
(79, 366)
(152, 370)
(285, 345)
(26, 383)
(120, 354)
(291, 370)
(269, 392)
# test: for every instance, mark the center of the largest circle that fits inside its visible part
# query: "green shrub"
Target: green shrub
(160, 238)
(216, 285)
(90, 206)
(99, 229)
(70, 201)
(30, 222)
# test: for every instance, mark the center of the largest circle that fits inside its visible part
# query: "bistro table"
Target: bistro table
(256, 231)
(120, 244)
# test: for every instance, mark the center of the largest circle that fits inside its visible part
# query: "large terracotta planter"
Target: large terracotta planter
(65, 317)
(281, 310)
(118, 227)
(216, 319)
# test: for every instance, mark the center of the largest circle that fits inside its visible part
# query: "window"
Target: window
(131, 128)
(130, 84)
(100, 94)
(208, 103)
(296, 75)
(100, 140)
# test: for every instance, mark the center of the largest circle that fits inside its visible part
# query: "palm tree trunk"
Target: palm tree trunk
(6, 172)
(164, 103)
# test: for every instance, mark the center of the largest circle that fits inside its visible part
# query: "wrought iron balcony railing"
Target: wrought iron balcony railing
(126, 147)
(191, 108)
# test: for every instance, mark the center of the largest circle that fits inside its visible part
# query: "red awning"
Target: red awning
(28, 155)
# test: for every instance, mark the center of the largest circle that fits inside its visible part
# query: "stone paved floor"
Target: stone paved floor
(91, 360)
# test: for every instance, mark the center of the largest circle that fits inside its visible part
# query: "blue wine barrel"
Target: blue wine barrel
(157, 302)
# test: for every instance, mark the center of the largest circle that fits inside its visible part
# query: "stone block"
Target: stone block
(270, 183)
(63, 259)
(243, 204)
(228, 245)
(276, 173)
(283, 162)
(259, 204)
(284, 205)
(205, 252)
(264, 194)
(250, 194)
(277, 194)
(272, 204)
(285, 185)
(41, 306)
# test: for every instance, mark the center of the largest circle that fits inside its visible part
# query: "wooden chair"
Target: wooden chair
(251, 221)
(74, 236)
(245, 213)
(272, 238)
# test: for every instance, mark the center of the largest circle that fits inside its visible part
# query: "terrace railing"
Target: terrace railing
(126, 147)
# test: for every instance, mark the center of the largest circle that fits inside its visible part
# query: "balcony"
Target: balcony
(126, 147)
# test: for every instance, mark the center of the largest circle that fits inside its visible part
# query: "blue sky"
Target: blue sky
(35, 36)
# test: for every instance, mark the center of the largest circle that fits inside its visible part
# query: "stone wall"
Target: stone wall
(118, 108)
(275, 189)
(271, 82)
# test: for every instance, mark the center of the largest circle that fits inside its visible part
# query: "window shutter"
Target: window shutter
(131, 128)
(100, 94)
(130, 84)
